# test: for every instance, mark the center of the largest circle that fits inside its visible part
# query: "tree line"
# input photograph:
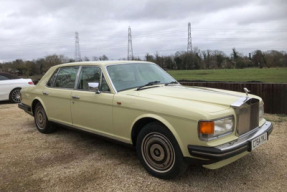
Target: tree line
(197, 59)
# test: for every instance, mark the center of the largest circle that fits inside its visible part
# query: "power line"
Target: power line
(130, 45)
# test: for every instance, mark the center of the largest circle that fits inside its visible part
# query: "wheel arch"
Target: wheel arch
(9, 96)
(34, 103)
(13, 90)
(143, 120)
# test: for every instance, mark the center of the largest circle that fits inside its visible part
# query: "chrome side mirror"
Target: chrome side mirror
(94, 86)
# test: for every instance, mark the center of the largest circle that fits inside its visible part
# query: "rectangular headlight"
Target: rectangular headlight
(209, 130)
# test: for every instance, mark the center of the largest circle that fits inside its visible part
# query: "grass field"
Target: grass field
(271, 75)
(267, 75)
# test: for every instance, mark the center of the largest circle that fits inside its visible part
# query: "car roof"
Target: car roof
(102, 63)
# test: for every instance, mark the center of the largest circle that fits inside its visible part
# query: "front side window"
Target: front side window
(128, 76)
(66, 77)
(89, 78)
(3, 78)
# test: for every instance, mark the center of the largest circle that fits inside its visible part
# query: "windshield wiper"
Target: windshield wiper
(148, 84)
(172, 82)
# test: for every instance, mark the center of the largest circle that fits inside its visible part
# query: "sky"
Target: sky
(33, 29)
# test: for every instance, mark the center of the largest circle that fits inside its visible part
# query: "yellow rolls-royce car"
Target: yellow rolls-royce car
(138, 103)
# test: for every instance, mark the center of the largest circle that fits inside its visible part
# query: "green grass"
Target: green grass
(267, 75)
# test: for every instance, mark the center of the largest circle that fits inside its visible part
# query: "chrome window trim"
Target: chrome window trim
(77, 78)
(107, 84)
(115, 90)
(100, 85)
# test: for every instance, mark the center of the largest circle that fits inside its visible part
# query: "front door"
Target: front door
(91, 111)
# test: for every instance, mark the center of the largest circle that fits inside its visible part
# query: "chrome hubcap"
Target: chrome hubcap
(16, 95)
(158, 152)
(40, 117)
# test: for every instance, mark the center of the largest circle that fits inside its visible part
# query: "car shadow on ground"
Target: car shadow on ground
(6, 102)
(243, 168)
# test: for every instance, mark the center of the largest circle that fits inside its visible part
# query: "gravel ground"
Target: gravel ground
(72, 161)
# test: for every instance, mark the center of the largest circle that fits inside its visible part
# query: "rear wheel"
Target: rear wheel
(42, 123)
(159, 152)
(15, 95)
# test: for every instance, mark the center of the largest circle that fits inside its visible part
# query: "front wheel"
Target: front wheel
(42, 123)
(159, 153)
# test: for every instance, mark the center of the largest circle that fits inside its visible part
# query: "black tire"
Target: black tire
(159, 152)
(14, 96)
(41, 120)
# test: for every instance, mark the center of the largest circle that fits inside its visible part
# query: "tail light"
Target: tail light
(30, 83)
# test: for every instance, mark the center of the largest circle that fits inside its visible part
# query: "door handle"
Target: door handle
(45, 93)
(75, 97)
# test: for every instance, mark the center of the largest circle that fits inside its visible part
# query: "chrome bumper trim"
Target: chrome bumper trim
(243, 139)
(230, 149)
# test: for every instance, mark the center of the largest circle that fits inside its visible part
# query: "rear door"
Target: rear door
(57, 94)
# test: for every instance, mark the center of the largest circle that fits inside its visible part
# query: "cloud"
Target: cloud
(31, 29)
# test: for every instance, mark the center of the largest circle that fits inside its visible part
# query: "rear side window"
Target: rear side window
(52, 79)
(3, 77)
(64, 78)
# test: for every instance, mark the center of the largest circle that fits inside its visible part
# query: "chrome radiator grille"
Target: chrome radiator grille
(247, 113)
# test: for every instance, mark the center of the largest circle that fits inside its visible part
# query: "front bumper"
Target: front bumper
(231, 149)
(26, 108)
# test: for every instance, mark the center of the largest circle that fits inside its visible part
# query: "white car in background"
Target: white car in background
(10, 86)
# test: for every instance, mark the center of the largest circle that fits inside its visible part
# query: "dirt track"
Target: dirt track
(71, 161)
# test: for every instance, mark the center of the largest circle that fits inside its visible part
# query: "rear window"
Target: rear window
(6, 76)
(3, 77)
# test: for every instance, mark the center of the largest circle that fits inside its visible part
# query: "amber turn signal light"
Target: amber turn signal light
(206, 127)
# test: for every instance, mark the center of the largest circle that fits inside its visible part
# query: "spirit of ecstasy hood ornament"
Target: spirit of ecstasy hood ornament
(246, 91)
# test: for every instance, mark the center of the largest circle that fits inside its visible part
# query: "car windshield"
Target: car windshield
(129, 76)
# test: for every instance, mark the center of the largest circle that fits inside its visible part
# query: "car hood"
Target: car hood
(205, 99)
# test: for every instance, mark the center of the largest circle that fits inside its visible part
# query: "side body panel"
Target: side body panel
(93, 112)
(57, 102)
(184, 130)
